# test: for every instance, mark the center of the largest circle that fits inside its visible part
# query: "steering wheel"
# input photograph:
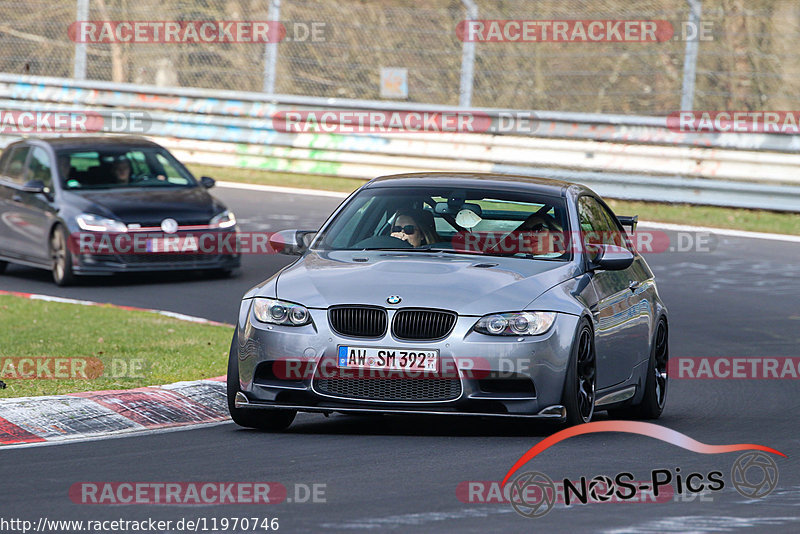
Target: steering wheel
(382, 241)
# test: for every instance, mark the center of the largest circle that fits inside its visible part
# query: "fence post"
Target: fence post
(467, 58)
(690, 57)
(79, 65)
(271, 49)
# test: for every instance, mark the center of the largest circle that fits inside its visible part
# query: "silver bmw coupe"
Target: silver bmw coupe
(455, 294)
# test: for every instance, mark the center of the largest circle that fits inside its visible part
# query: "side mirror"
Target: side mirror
(35, 186)
(207, 182)
(291, 242)
(610, 257)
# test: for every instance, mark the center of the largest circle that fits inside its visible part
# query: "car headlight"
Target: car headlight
(515, 324)
(279, 312)
(226, 219)
(96, 223)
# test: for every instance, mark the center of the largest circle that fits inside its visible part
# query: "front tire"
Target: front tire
(273, 420)
(61, 258)
(579, 388)
(3, 265)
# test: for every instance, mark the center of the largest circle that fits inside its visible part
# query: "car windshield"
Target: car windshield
(121, 167)
(441, 219)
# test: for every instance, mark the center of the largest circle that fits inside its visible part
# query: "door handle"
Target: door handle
(16, 198)
(634, 285)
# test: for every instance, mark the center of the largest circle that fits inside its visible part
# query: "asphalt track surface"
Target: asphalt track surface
(400, 474)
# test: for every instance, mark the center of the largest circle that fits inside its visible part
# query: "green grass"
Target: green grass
(168, 349)
(739, 219)
(284, 179)
(736, 218)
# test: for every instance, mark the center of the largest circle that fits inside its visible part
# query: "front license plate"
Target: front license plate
(386, 358)
(176, 243)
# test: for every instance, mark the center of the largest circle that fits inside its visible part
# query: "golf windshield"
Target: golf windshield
(121, 167)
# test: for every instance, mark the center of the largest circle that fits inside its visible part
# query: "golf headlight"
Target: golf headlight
(95, 223)
(515, 324)
(279, 312)
(226, 219)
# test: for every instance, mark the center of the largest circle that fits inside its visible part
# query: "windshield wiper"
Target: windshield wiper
(399, 249)
(424, 249)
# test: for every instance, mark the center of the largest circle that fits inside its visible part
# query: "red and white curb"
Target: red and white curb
(79, 416)
(98, 414)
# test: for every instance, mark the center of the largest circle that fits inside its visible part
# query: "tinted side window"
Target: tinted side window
(592, 216)
(39, 167)
(15, 165)
(598, 225)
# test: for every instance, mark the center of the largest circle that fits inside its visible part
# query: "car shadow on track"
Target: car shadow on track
(420, 425)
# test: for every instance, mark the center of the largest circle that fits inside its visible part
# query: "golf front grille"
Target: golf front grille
(390, 389)
(420, 325)
(358, 321)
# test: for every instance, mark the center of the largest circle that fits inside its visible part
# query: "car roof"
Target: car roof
(88, 142)
(512, 182)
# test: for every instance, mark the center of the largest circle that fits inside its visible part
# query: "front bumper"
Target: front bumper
(107, 264)
(497, 376)
(132, 254)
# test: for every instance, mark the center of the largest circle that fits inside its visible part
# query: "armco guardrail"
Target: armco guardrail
(624, 157)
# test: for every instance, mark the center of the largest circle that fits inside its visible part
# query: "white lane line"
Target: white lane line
(701, 524)
(651, 224)
(416, 519)
(278, 189)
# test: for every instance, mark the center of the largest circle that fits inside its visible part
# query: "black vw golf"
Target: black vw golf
(100, 205)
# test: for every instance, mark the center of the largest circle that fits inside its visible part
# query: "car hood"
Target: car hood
(468, 285)
(150, 206)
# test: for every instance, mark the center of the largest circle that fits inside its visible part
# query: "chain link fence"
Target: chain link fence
(746, 57)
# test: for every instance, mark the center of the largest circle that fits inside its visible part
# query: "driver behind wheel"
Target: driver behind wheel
(121, 170)
(416, 227)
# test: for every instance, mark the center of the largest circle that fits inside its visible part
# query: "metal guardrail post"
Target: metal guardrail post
(271, 50)
(79, 65)
(467, 59)
(690, 57)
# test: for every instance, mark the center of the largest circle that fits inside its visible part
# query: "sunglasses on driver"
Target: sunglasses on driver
(408, 229)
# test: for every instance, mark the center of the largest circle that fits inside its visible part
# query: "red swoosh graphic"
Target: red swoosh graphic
(633, 427)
